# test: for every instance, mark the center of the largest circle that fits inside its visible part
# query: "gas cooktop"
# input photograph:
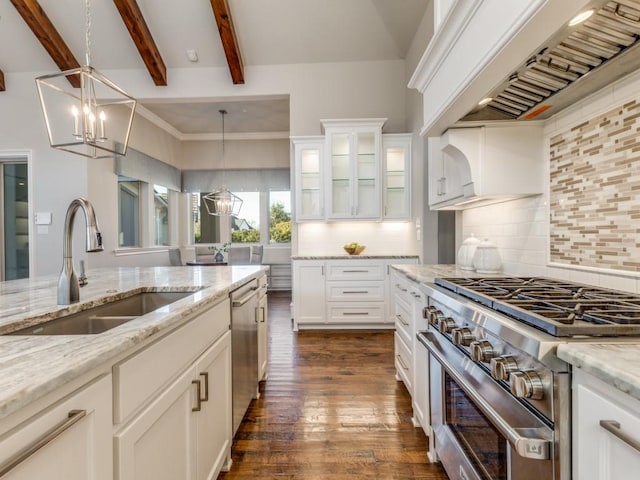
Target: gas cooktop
(562, 309)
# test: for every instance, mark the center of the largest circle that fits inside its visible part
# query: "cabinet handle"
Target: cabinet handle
(356, 291)
(399, 317)
(322, 270)
(198, 406)
(206, 386)
(613, 427)
(356, 271)
(264, 315)
(401, 362)
(73, 417)
(355, 313)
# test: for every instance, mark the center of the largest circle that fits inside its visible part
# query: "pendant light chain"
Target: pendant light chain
(87, 35)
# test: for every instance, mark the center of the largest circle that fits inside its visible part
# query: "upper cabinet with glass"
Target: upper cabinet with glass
(309, 170)
(353, 186)
(396, 165)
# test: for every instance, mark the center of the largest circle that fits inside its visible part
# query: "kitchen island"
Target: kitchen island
(126, 380)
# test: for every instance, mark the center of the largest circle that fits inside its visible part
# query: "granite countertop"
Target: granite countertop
(53, 361)
(616, 364)
(426, 273)
(345, 256)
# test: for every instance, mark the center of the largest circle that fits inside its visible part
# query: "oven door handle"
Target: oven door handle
(523, 440)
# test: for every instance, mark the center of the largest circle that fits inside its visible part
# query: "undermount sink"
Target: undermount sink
(104, 317)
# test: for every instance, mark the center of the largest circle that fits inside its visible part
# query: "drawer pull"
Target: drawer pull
(206, 386)
(613, 427)
(198, 406)
(356, 291)
(401, 362)
(399, 317)
(355, 313)
(74, 417)
(356, 271)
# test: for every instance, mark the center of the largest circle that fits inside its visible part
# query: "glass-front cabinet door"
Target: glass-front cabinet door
(396, 167)
(309, 161)
(354, 179)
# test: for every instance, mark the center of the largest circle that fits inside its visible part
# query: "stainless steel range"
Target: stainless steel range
(500, 397)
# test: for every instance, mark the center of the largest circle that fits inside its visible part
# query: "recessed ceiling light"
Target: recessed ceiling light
(484, 101)
(581, 17)
(192, 55)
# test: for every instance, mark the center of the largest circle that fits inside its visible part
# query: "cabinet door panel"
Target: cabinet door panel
(82, 451)
(309, 292)
(309, 188)
(158, 443)
(214, 418)
(263, 337)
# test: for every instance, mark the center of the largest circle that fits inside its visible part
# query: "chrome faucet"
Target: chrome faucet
(68, 285)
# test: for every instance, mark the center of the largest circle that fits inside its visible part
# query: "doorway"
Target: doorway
(14, 213)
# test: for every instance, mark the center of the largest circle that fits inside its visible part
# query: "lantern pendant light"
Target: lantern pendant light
(222, 202)
(95, 121)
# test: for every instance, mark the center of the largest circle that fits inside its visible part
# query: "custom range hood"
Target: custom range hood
(575, 62)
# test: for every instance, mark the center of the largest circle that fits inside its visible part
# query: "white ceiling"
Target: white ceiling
(268, 32)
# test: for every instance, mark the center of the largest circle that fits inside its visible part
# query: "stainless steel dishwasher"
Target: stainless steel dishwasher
(244, 349)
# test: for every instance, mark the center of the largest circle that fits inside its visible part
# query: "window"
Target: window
(279, 217)
(161, 215)
(129, 212)
(246, 227)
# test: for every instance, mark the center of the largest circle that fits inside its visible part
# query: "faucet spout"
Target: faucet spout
(68, 285)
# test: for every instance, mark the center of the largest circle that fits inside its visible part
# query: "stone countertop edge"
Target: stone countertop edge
(53, 360)
(348, 257)
(616, 364)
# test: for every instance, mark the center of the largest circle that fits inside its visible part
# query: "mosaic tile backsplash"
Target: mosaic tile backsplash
(595, 192)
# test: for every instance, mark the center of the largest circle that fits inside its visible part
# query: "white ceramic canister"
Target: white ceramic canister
(466, 252)
(486, 259)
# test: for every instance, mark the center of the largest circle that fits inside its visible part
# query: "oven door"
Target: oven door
(481, 431)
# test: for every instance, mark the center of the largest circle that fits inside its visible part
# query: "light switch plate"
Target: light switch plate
(43, 218)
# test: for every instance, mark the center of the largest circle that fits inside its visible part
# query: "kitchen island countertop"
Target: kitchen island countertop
(32, 366)
(345, 256)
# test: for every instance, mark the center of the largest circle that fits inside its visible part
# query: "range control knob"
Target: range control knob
(446, 325)
(527, 384)
(434, 316)
(481, 351)
(502, 366)
(462, 336)
(426, 311)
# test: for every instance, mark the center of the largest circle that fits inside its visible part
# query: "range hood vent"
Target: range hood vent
(575, 62)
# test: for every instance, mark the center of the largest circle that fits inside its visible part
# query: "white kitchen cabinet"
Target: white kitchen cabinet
(600, 453)
(343, 293)
(263, 329)
(173, 403)
(308, 292)
(471, 167)
(396, 176)
(309, 161)
(353, 173)
(403, 306)
(79, 427)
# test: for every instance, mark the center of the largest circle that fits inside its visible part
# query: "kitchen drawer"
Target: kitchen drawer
(355, 270)
(355, 291)
(401, 288)
(404, 323)
(403, 362)
(351, 313)
(138, 378)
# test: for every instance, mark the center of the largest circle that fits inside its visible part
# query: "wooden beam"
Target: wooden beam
(141, 36)
(229, 41)
(2, 85)
(37, 20)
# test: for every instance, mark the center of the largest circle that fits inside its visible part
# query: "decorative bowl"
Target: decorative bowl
(354, 250)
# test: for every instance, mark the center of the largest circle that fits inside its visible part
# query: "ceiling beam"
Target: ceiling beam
(2, 85)
(37, 20)
(229, 41)
(141, 36)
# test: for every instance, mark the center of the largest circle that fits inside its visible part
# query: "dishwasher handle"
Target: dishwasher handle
(241, 301)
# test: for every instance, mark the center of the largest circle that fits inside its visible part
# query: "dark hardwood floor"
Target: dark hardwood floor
(329, 409)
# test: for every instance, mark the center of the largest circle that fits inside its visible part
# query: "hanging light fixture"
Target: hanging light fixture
(222, 202)
(94, 122)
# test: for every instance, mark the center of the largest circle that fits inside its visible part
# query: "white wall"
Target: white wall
(520, 228)
(202, 155)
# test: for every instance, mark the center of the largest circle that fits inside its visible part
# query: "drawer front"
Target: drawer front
(355, 291)
(138, 378)
(401, 288)
(355, 270)
(345, 313)
(403, 321)
(403, 362)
